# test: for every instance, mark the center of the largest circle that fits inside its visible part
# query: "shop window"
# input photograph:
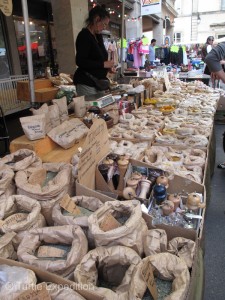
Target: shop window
(4, 63)
(41, 45)
(177, 37)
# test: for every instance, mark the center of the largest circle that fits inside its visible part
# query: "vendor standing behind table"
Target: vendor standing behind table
(152, 51)
(91, 55)
(214, 60)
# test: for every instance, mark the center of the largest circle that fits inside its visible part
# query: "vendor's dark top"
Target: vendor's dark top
(214, 57)
(90, 57)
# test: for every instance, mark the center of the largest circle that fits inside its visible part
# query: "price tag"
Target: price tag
(6, 7)
(38, 292)
(69, 205)
(49, 251)
(148, 276)
(13, 219)
(109, 223)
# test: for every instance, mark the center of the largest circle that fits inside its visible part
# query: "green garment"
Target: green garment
(124, 43)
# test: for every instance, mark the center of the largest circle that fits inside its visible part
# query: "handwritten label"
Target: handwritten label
(69, 205)
(13, 219)
(6, 7)
(38, 292)
(49, 251)
(95, 148)
(109, 223)
(148, 276)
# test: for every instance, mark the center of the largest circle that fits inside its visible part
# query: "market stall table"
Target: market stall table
(187, 78)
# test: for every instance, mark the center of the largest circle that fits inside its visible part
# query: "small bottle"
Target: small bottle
(117, 98)
(48, 72)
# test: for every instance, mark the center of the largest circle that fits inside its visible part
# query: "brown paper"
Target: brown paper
(71, 235)
(90, 203)
(115, 265)
(109, 223)
(184, 248)
(155, 242)
(96, 147)
(69, 205)
(148, 276)
(130, 234)
(68, 133)
(38, 292)
(48, 251)
(167, 267)
(6, 246)
(21, 160)
(52, 192)
(18, 221)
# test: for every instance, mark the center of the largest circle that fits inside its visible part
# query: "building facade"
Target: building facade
(198, 19)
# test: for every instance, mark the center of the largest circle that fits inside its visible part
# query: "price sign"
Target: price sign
(6, 7)
(148, 276)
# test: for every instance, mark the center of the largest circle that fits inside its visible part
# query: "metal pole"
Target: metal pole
(29, 51)
(165, 29)
(122, 37)
(192, 3)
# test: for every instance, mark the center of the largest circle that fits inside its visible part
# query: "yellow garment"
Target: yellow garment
(174, 49)
(145, 41)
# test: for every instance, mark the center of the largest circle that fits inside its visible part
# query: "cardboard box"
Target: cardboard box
(41, 147)
(97, 186)
(44, 90)
(46, 94)
(176, 184)
(45, 276)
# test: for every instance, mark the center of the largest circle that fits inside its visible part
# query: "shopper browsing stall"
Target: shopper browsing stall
(91, 55)
(205, 50)
(152, 51)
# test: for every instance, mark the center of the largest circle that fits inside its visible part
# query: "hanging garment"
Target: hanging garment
(137, 56)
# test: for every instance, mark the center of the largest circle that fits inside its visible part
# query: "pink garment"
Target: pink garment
(144, 49)
(137, 57)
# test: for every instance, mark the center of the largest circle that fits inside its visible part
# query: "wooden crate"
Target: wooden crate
(43, 88)
(46, 149)
(41, 147)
